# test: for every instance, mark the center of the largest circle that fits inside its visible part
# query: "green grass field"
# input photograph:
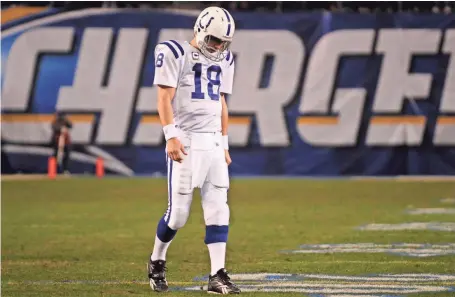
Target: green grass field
(89, 237)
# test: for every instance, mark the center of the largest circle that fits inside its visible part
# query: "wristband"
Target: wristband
(170, 131)
(225, 142)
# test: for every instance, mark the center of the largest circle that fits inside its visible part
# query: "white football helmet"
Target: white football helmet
(214, 30)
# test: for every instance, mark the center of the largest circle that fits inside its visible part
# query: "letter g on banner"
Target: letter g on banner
(336, 125)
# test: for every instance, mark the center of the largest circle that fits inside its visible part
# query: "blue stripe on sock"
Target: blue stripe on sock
(163, 232)
(214, 233)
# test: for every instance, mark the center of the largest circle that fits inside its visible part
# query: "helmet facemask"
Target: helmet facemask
(214, 48)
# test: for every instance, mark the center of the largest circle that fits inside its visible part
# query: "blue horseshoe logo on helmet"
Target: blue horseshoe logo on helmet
(208, 23)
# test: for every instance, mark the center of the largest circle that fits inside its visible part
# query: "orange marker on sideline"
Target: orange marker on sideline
(52, 168)
(99, 167)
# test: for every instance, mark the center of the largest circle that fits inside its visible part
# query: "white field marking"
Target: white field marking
(421, 288)
(448, 200)
(419, 211)
(379, 262)
(424, 178)
(354, 295)
(270, 277)
(378, 245)
(325, 288)
(432, 226)
(407, 249)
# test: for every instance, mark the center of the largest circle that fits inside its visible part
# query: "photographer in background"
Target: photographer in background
(61, 141)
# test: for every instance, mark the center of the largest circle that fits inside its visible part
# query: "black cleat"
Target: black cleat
(220, 283)
(157, 275)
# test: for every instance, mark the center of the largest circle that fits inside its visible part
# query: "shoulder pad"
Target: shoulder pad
(230, 58)
(174, 47)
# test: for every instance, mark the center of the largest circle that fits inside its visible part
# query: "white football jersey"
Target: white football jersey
(199, 83)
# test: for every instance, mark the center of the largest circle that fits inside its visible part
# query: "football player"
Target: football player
(193, 79)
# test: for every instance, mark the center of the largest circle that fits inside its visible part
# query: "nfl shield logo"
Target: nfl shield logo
(195, 56)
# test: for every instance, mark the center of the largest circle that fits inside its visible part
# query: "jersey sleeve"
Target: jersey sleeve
(227, 79)
(167, 65)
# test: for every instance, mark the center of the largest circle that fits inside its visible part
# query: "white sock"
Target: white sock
(217, 253)
(159, 249)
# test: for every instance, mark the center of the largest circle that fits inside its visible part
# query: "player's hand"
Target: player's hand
(227, 157)
(174, 147)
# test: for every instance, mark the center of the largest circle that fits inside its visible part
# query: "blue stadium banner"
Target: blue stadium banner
(315, 94)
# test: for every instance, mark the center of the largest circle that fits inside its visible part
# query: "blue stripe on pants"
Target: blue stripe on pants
(163, 232)
(169, 183)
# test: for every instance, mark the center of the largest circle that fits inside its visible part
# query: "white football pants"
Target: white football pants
(203, 167)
